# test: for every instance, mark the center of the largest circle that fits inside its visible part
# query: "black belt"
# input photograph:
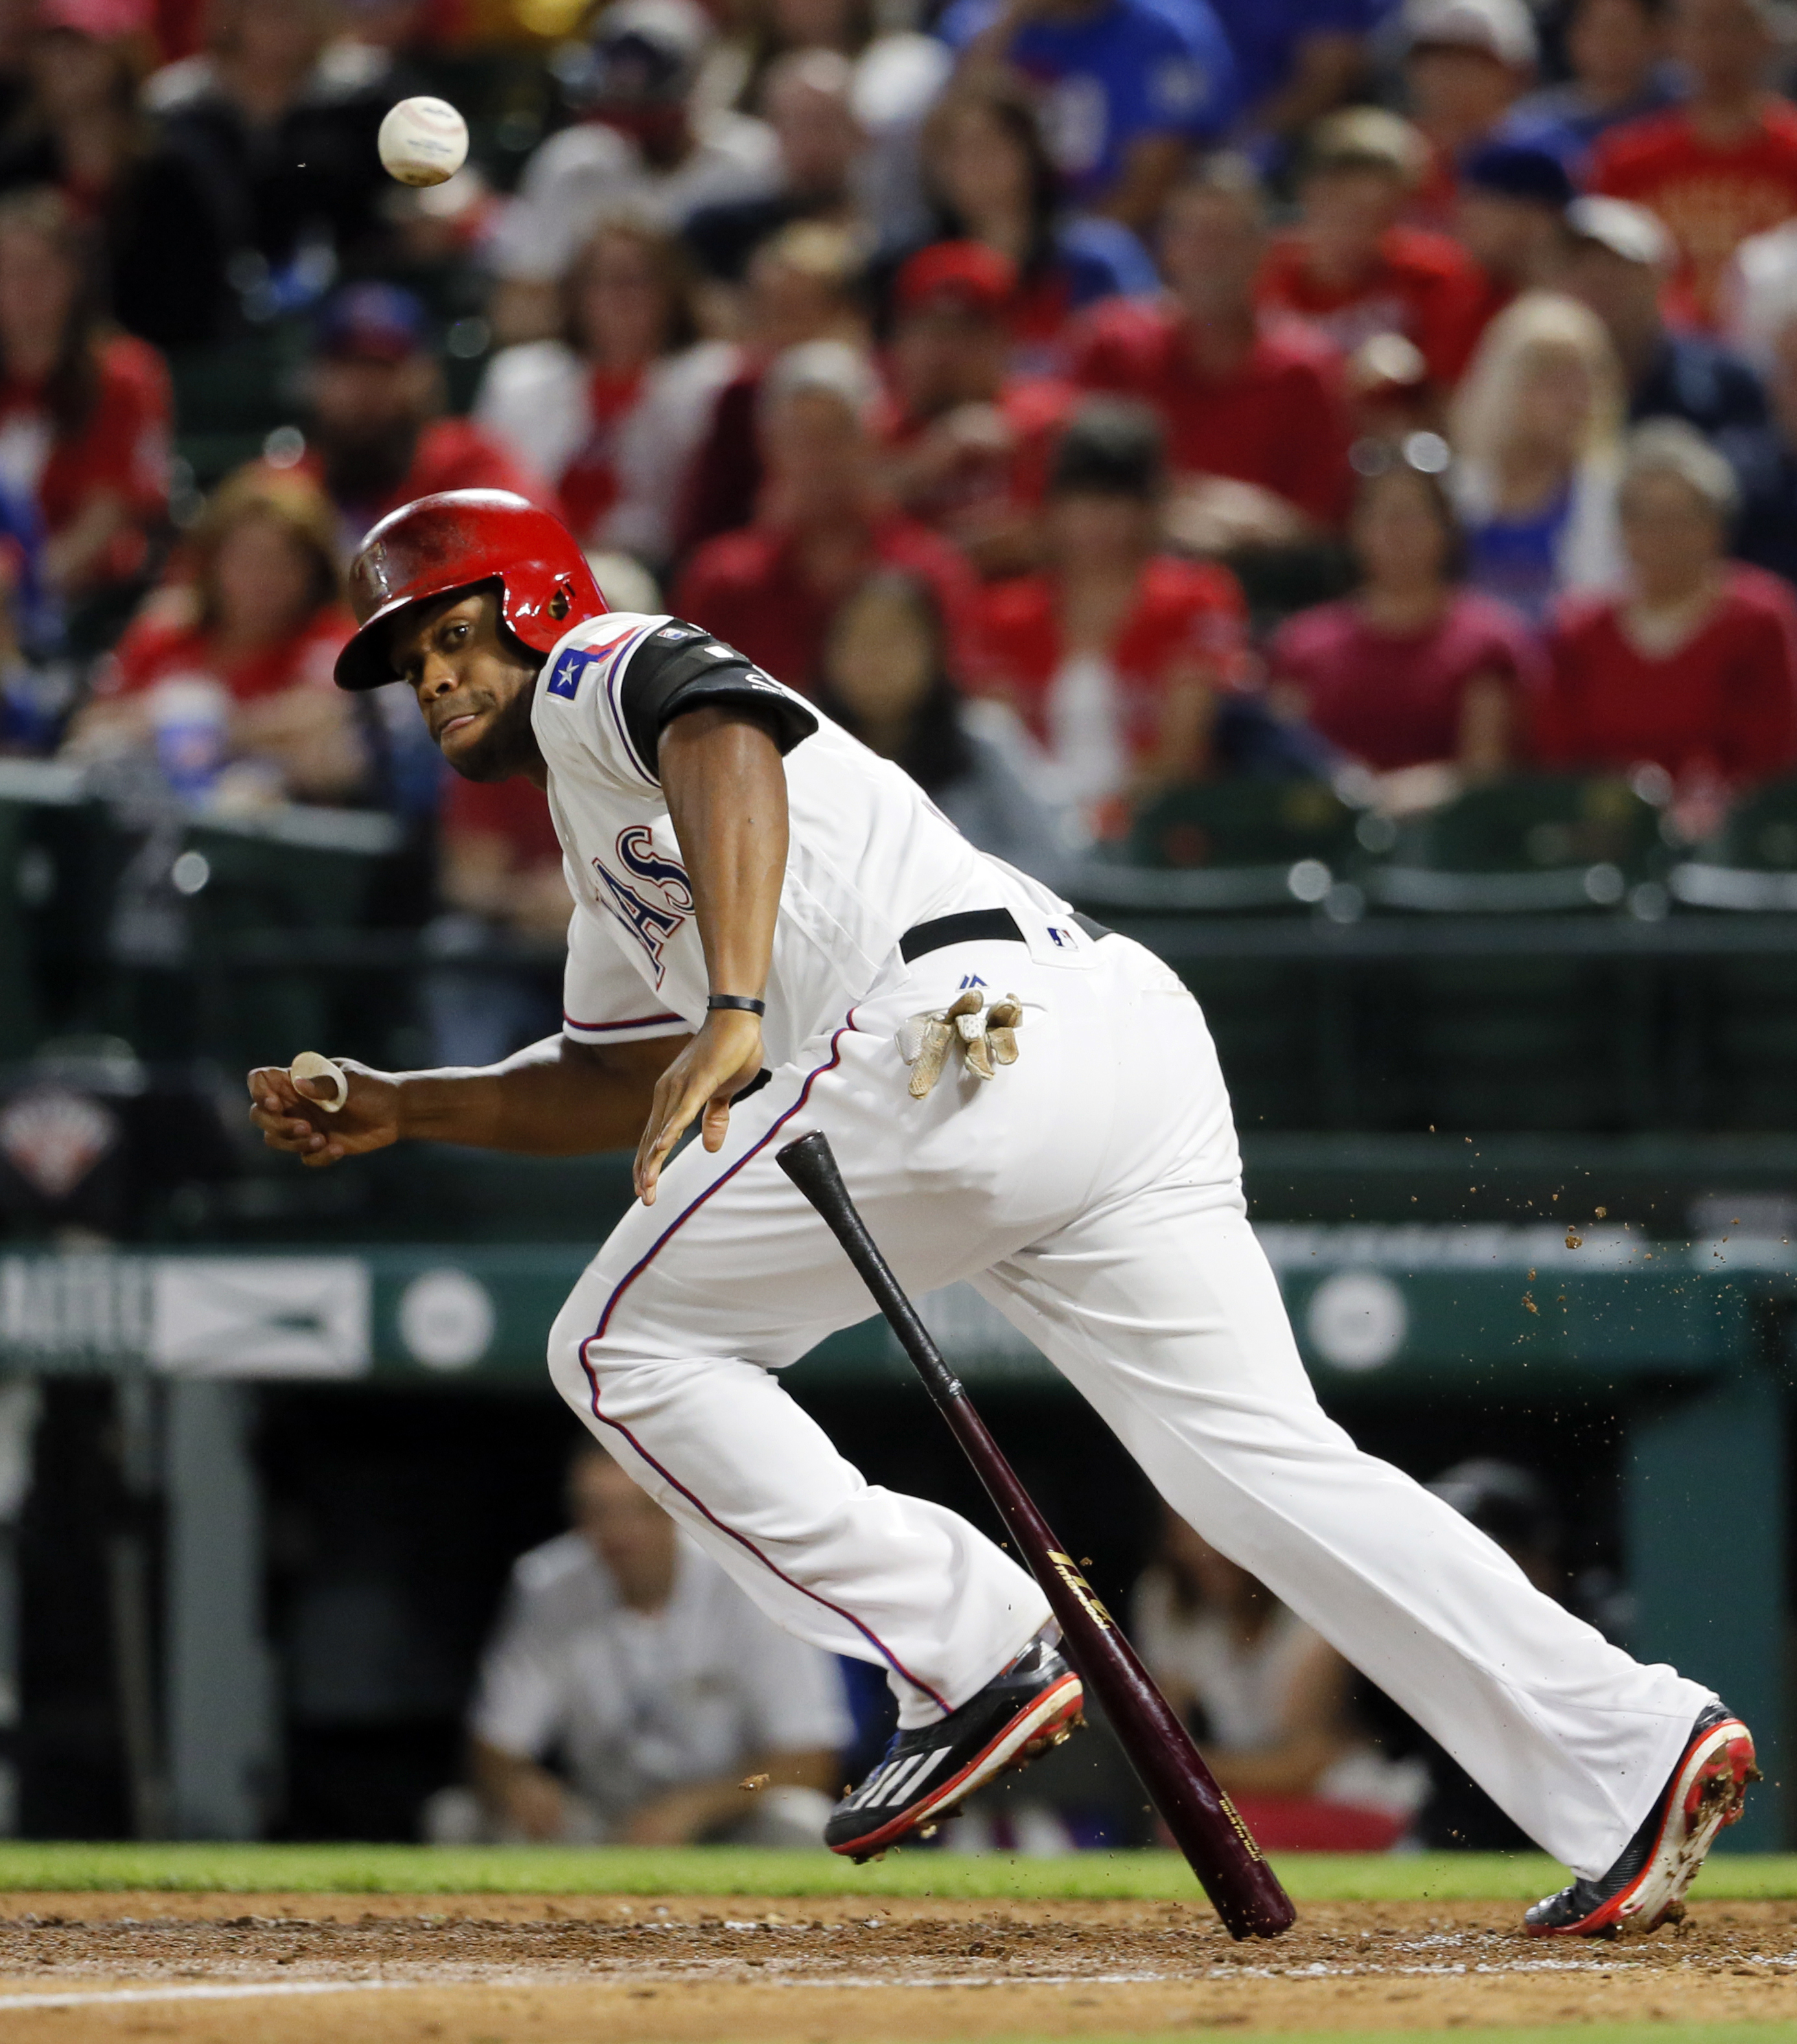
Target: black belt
(976, 926)
(972, 926)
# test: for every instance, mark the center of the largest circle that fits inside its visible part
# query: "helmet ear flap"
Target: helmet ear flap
(562, 602)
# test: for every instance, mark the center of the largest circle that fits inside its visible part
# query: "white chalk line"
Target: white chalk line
(101, 1997)
(248, 1990)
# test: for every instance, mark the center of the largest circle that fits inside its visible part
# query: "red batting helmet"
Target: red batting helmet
(452, 541)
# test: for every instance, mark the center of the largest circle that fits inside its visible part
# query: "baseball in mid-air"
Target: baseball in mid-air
(423, 141)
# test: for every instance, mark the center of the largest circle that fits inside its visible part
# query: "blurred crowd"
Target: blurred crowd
(629, 1692)
(1082, 398)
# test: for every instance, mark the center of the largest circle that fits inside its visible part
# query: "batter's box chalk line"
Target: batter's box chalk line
(236, 1991)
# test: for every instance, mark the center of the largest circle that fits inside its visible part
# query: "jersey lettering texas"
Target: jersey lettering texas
(654, 911)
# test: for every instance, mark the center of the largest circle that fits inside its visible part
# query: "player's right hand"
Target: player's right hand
(285, 1113)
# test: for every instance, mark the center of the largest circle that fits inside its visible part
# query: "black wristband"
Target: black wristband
(746, 1002)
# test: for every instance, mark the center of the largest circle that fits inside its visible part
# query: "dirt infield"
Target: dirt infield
(533, 1969)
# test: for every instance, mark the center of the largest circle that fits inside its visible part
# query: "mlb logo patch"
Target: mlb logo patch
(564, 677)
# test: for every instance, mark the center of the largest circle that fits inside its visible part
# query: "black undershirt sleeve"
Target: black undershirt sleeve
(680, 668)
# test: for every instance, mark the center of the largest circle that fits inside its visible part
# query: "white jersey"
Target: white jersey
(870, 854)
(638, 1702)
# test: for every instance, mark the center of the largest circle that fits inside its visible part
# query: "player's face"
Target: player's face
(472, 685)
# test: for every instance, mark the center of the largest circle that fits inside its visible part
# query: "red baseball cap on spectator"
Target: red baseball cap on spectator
(957, 276)
(104, 21)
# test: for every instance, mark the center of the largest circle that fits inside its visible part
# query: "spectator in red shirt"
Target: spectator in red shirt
(1695, 668)
(84, 413)
(1414, 675)
(500, 879)
(1352, 269)
(968, 445)
(375, 389)
(1720, 168)
(770, 589)
(885, 678)
(613, 412)
(1115, 655)
(1466, 62)
(804, 284)
(255, 616)
(1257, 422)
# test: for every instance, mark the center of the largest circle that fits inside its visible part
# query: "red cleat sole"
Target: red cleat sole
(1708, 1794)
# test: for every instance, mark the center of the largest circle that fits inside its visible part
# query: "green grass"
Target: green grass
(731, 1870)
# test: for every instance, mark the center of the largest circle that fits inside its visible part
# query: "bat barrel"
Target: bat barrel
(1230, 1867)
(1217, 1846)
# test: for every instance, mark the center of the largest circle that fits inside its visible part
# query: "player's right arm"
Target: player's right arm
(557, 1098)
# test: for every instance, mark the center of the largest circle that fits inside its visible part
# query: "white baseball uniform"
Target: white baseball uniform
(1091, 1191)
(639, 1703)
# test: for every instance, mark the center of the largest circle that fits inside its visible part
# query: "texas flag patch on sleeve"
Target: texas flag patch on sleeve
(564, 678)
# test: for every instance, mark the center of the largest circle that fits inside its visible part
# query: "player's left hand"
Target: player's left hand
(719, 1061)
(292, 1117)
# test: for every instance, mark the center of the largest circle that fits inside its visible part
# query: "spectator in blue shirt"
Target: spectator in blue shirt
(1295, 61)
(1618, 257)
(1616, 49)
(35, 693)
(1766, 462)
(989, 177)
(1128, 86)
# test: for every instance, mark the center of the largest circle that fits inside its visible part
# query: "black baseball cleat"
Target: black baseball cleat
(924, 1774)
(1646, 1886)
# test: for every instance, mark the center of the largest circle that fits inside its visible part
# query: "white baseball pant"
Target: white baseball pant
(1092, 1192)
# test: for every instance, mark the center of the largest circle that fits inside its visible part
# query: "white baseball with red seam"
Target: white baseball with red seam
(423, 141)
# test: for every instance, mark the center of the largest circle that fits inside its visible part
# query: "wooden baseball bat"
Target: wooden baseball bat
(1232, 1869)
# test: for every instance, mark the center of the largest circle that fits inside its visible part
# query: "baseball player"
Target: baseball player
(775, 933)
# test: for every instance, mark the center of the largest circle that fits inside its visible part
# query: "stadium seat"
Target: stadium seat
(1751, 863)
(1241, 847)
(1240, 844)
(229, 398)
(1738, 1013)
(63, 859)
(1540, 1037)
(1530, 844)
(264, 896)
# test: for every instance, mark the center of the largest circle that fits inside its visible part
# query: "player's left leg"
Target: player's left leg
(1158, 1304)
(1172, 1324)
